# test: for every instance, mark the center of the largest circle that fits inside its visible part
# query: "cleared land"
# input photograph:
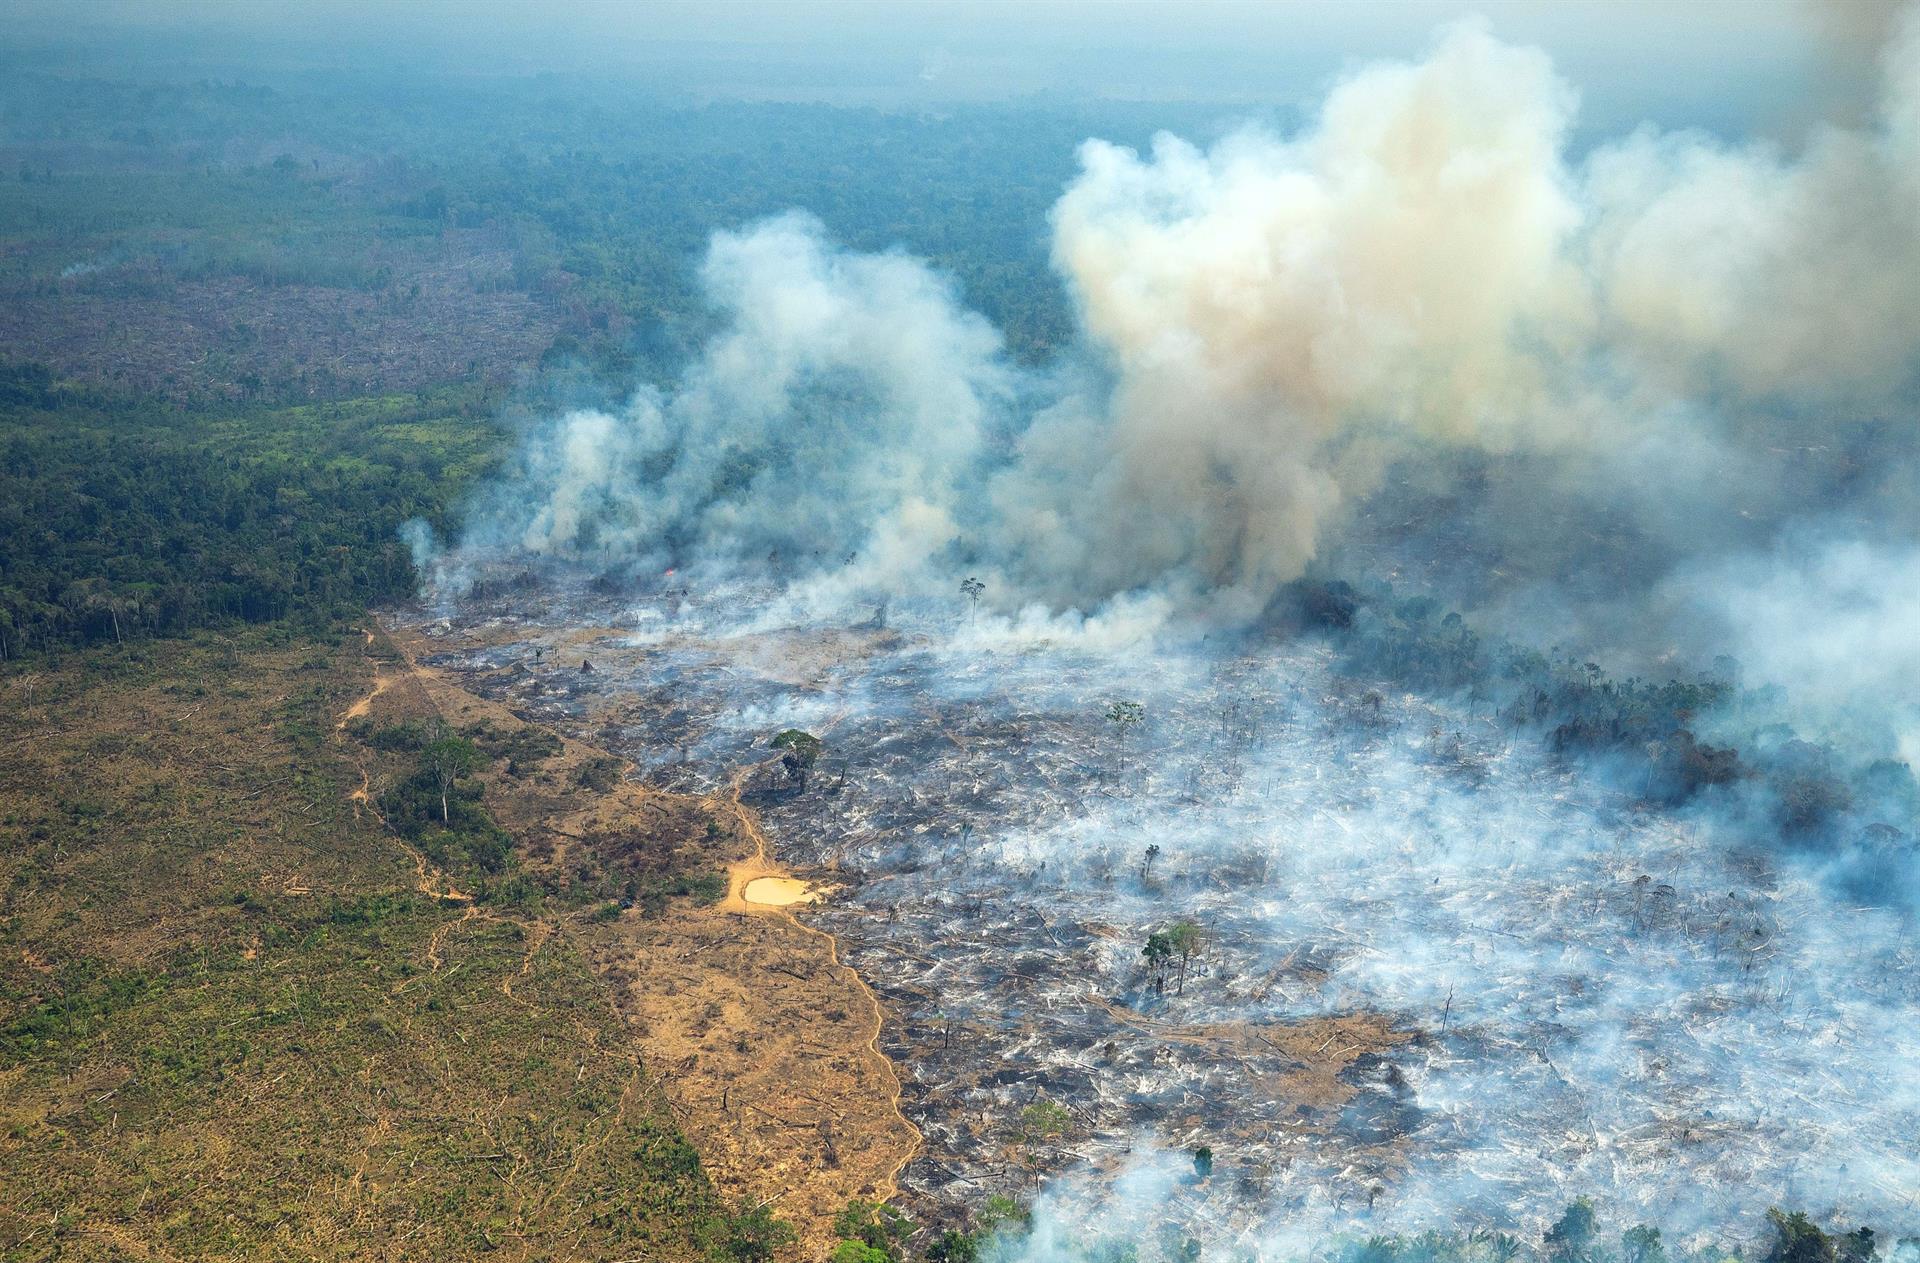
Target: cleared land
(242, 1017)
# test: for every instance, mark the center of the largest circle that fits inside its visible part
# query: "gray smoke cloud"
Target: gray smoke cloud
(1281, 313)
(1269, 327)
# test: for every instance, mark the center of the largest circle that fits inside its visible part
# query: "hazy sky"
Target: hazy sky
(1729, 64)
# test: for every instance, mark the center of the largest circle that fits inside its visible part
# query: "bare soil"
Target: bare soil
(764, 1043)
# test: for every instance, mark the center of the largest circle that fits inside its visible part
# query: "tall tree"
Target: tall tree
(1125, 717)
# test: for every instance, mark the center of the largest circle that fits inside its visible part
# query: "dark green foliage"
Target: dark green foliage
(1158, 952)
(438, 807)
(1857, 1246)
(650, 894)
(800, 751)
(122, 519)
(857, 1252)
(1641, 1244)
(877, 1230)
(752, 1235)
(85, 995)
(373, 909)
(1571, 1237)
(1797, 1239)
(1203, 1162)
(954, 1247)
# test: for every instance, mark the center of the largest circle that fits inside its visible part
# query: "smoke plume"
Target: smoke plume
(1693, 346)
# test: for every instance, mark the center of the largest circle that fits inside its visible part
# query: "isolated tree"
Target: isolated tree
(1184, 938)
(1203, 1162)
(1654, 750)
(1125, 717)
(1152, 853)
(973, 589)
(1040, 1122)
(1641, 1244)
(449, 758)
(1570, 1240)
(1158, 951)
(801, 752)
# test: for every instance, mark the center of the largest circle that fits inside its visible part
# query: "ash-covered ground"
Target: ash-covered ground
(1443, 979)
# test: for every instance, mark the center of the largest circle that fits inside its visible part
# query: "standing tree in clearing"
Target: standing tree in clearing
(1184, 938)
(972, 589)
(1158, 951)
(801, 752)
(1125, 717)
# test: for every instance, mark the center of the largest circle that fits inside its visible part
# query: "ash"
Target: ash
(1441, 980)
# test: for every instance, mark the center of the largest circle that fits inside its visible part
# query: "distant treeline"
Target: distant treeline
(124, 518)
(600, 197)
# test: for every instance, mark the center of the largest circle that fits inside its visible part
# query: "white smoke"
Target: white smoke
(1266, 326)
(837, 412)
(1763, 273)
(1834, 618)
(1268, 303)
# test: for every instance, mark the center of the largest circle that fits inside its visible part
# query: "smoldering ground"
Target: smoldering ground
(1595, 994)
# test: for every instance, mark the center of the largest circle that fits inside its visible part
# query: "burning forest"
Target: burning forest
(1214, 894)
(1420, 966)
(1214, 673)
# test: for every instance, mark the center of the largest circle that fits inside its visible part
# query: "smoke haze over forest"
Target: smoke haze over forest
(1706, 344)
(1306, 617)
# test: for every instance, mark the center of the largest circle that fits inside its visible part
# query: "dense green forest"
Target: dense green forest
(122, 518)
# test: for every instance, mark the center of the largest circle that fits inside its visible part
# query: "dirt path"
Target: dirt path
(428, 879)
(381, 683)
(760, 867)
(765, 1044)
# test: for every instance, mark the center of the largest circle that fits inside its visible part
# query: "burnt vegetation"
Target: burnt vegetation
(1758, 773)
(232, 364)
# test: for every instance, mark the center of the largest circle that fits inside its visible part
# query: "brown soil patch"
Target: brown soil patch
(765, 1044)
(381, 684)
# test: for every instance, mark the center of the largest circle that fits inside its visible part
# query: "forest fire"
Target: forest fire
(1424, 966)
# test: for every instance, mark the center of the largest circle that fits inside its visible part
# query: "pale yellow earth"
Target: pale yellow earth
(779, 892)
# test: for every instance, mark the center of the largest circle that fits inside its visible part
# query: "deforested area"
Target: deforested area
(789, 632)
